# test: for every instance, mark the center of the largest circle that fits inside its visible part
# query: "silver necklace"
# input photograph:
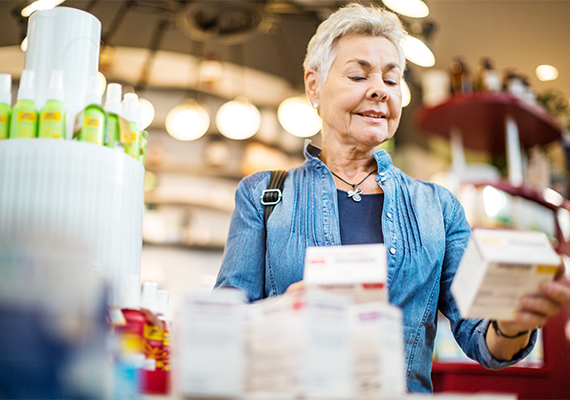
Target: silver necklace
(354, 194)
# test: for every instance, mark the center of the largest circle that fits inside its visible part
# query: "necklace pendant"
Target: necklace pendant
(354, 194)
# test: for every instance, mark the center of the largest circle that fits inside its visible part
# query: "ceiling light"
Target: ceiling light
(24, 44)
(406, 94)
(417, 52)
(40, 5)
(409, 8)
(147, 112)
(546, 73)
(187, 121)
(297, 117)
(238, 119)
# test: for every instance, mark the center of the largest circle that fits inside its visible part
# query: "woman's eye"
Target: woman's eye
(357, 78)
(391, 83)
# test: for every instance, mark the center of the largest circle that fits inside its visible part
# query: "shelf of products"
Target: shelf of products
(480, 117)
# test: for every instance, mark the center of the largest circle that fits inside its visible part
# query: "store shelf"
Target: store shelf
(480, 117)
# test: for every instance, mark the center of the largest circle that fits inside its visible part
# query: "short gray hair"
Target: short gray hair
(353, 18)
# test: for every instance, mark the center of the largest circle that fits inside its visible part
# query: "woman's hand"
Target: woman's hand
(534, 313)
(296, 287)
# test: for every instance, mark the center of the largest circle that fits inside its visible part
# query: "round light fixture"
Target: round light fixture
(187, 121)
(417, 52)
(409, 8)
(297, 117)
(147, 112)
(406, 94)
(546, 73)
(238, 119)
(39, 5)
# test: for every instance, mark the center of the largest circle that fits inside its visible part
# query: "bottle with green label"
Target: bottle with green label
(113, 108)
(53, 117)
(5, 104)
(24, 120)
(90, 123)
(131, 139)
(144, 141)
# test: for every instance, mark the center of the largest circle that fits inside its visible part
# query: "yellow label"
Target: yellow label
(547, 269)
(27, 116)
(166, 340)
(125, 131)
(151, 332)
(50, 116)
(91, 122)
(131, 343)
(3, 119)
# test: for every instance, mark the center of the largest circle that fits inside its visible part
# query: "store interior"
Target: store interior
(175, 52)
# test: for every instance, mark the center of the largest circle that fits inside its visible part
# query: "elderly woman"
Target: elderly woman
(348, 192)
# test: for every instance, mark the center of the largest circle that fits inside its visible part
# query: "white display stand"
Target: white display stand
(89, 195)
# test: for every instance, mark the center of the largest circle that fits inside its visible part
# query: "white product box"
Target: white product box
(498, 268)
(299, 346)
(358, 271)
(378, 350)
(209, 345)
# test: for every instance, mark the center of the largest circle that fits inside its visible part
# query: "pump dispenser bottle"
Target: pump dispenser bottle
(131, 141)
(53, 118)
(130, 338)
(24, 121)
(153, 340)
(114, 109)
(5, 105)
(90, 123)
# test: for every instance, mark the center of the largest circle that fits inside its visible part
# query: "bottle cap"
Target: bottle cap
(55, 91)
(93, 92)
(149, 298)
(113, 98)
(131, 298)
(163, 305)
(6, 89)
(130, 107)
(26, 90)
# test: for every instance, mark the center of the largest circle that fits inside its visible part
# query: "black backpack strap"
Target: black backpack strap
(273, 194)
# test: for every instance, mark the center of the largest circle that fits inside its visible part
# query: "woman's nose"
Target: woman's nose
(378, 90)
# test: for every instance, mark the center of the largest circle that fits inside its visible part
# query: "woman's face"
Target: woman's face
(360, 103)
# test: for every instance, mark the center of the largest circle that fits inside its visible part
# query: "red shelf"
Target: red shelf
(481, 119)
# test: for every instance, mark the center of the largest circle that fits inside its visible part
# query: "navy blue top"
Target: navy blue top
(360, 222)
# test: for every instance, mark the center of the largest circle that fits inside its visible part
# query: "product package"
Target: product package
(358, 271)
(209, 345)
(299, 346)
(378, 350)
(498, 268)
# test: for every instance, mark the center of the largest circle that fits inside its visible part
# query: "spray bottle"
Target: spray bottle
(90, 123)
(53, 117)
(5, 105)
(24, 121)
(164, 368)
(130, 337)
(131, 141)
(153, 339)
(115, 123)
(143, 136)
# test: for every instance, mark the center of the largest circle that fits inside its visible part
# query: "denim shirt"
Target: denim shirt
(425, 233)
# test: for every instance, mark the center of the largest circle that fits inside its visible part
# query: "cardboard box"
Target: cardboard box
(498, 268)
(357, 271)
(299, 346)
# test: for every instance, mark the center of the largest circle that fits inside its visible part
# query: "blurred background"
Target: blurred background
(199, 55)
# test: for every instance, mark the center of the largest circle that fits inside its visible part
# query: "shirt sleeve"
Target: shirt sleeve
(243, 263)
(469, 333)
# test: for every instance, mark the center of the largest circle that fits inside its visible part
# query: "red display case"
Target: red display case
(481, 120)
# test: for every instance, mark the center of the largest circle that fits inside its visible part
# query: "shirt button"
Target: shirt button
(392, 250)
(382, 173)
(383, 179)
(389, 215)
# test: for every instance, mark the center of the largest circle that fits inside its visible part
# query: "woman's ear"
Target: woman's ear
(312, 86)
